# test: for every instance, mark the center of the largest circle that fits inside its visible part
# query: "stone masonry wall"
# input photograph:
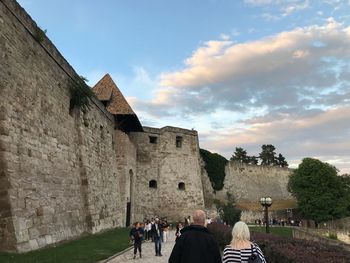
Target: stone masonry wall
(248, 183)
(98, 170)
(58, 170)
(126, 167)
(7, 233)
(168, 165)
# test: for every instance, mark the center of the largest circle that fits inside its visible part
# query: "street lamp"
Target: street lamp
(266, 202)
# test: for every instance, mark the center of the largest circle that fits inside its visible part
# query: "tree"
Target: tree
(228, 211)
(252, 160)
(320, 193)
(345, 178)
(267, 154)
(281, 161)
(215, 167)
(240, 155)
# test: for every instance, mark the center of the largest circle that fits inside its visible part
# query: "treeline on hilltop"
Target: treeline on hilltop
(267, 156)
(215, 163)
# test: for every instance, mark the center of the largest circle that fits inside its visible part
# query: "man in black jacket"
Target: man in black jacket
(157, 232)
(196, 244)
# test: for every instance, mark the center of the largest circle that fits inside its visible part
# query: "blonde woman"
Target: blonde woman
(240, 248)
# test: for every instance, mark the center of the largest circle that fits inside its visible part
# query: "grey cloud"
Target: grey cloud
(316, 134)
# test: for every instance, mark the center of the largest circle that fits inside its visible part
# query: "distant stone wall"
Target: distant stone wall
(168, 165)
(58, 171)
(322, 235)
(339, 224)
(248, 183)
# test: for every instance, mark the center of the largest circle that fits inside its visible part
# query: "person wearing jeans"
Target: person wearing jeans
(157, 236)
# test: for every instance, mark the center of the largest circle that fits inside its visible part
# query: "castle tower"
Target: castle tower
(126, 121)
(168, 173)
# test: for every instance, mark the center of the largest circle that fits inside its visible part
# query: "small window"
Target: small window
(181, 186)
(153, 184)
(153, 139)
(71, 107)
(178, 141)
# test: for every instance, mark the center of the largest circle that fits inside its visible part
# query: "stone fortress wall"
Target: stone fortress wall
(168, 181)
(59, 173)
(65, 172)
(248, 183)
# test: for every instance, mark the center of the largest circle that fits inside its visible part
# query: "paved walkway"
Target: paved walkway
(148, 252)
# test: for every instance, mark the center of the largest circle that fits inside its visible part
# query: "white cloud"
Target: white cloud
(285, 7)
(291, 89)
(294, 7)
(278, 70)
(261, 2)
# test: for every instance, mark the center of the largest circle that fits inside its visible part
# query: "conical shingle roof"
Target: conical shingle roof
(108, 92)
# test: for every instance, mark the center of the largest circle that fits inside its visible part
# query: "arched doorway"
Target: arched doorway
(129, 199)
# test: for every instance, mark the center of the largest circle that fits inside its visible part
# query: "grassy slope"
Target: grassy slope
(278, 231)
(87, 249)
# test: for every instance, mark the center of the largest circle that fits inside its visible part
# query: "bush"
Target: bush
(221, 233)
(333, 236)
(285, 250)
(279, 249)
(228, 211)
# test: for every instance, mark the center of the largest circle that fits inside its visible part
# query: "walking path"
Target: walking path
(148, 252)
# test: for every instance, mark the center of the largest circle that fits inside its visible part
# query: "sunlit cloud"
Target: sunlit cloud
(291, 89)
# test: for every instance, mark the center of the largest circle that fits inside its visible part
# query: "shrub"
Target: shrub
(283, 249)
(228, 211)
(333, 236)
(81, 93)
(221, 233)
(279, 249)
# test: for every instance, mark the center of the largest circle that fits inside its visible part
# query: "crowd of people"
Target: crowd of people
(150, 230)
(194, 243)
(279, 222)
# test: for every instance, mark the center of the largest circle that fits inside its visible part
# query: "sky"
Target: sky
(243, 73)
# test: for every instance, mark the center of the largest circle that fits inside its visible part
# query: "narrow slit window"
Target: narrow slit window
(71, 107)
(178, 141)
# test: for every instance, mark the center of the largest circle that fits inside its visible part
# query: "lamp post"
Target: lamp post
(266, 202)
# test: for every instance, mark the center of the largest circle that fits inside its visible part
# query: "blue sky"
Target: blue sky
(241, 72)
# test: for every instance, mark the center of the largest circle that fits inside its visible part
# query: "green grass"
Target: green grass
(91, 248)
(278, 231)
(333, 236)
